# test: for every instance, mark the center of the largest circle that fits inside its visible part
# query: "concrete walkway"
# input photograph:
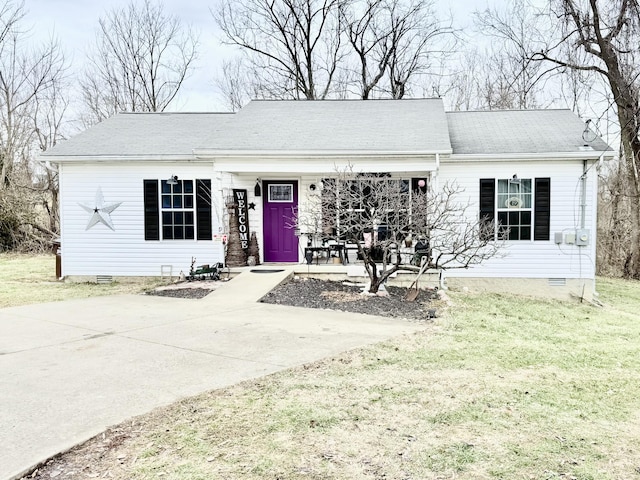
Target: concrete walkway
(70, 369)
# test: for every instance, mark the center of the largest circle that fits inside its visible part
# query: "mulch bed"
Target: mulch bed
(314, 293)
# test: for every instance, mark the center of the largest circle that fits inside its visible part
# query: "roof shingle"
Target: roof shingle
(337, 125)
(139, 134)
(391, 126)
(518, 132)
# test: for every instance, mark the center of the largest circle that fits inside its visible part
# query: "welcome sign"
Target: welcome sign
(242, 212)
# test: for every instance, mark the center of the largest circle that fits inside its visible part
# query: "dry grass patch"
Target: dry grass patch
(502, 388)
(342, 296)
(27, 279)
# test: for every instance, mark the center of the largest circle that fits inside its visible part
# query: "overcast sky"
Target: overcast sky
(74, 23)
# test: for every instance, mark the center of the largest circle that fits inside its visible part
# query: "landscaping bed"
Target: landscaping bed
(348, 297)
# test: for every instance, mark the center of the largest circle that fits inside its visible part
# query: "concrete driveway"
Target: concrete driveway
(70, 369)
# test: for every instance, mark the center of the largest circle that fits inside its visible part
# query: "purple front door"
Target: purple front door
(279, 204)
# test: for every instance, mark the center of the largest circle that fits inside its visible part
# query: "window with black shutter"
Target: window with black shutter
(177, 206)
(521, 207)
(180, 209)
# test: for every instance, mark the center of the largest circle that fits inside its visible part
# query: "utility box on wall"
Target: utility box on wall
(582, 237)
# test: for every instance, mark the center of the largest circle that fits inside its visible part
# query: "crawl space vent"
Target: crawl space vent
(557, 282)
(104, 279)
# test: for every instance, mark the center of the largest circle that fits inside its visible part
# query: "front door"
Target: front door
(280, 203)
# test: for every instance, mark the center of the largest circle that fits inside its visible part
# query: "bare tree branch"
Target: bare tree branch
(377, 213)
(141, 59)
(297, 43)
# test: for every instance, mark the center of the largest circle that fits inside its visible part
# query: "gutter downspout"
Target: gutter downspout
(583, 215)
(437, 173)
(583, 194)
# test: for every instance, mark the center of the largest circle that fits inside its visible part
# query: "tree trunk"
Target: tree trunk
(632, 263)
(631, 160)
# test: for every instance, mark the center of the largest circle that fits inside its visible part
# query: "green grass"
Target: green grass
(502, 387)
(26, 279)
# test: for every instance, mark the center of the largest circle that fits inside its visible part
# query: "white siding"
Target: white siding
(535, 259)
(124, 252)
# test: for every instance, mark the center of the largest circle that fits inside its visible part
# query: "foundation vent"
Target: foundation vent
(104, 279)
(557, 282)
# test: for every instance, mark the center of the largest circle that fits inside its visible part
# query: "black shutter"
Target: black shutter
(542, 209)
(151, 210)
(203, 209)
(487, 201)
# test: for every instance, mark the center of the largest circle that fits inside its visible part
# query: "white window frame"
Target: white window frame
(270, 198)
(182, 210)
(511, 205)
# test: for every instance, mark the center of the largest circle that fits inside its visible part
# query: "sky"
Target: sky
(74, 23)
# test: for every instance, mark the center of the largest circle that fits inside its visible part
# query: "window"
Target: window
(514, 208)
(280, 193)
(177, 210)
(367, 203)
(519, 207)
(180, 211)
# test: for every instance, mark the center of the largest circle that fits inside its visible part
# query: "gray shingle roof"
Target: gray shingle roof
(400, 126)
(518, 131)
(336, 125)
(165, 134)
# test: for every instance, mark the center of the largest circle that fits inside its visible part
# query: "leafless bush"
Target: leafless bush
(377, 213)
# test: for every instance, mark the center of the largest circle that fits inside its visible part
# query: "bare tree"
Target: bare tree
(317, 49)
(615, 227)
(25, 75)
(393, 42)
(241, 81)
(29, 78)
(141, 59)
(234, 84)
(377, 213)
(294, 45)
(514, 79)
(419, 38)
(49, 122)
(604, 39)
(370, 38)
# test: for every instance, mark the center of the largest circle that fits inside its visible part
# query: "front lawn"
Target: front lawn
(501, 387)
(26, 279)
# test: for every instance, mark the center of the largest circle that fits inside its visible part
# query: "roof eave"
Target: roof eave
(119, 158)
(205, 153)
(508, 157)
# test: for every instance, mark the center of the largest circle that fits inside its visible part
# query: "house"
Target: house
(145, 191)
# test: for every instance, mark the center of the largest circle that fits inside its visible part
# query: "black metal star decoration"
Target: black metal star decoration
(251, 206)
